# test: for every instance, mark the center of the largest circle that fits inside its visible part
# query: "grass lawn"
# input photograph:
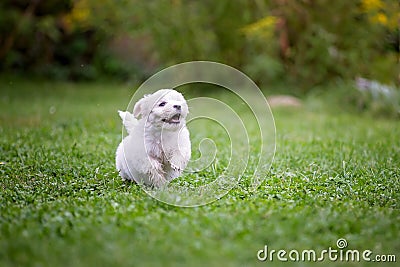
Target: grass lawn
(335, 175)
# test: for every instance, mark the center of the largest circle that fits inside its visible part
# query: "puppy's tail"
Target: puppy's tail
(128, 120)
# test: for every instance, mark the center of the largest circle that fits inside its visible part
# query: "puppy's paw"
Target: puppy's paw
(156, 174)
(175, 167)
(178, 163)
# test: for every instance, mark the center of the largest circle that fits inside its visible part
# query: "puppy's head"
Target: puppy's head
(165, 108)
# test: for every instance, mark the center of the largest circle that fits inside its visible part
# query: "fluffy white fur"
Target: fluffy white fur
(157, 147)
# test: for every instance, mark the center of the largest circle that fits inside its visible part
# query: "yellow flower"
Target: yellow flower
(260, 27)
(79, 15)
(81, 11)
(382, 19)
(372, 5)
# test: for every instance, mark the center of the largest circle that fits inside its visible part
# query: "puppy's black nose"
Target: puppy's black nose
(178, 107)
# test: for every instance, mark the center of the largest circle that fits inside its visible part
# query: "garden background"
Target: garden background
(68, 66)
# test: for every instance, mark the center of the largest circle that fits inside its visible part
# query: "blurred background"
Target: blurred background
(298, 45)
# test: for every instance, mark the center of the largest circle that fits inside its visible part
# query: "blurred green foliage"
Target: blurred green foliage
(305, 42)
(61, 39)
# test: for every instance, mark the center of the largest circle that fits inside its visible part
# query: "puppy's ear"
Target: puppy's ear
(138, 108)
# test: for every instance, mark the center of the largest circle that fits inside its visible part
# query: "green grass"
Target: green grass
(335, 175)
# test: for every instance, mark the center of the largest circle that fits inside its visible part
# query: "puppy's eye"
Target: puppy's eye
(162, 104)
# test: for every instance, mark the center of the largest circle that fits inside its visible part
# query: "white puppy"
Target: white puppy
(157, 147)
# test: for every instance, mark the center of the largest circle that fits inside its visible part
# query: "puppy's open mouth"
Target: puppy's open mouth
(173, 120)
